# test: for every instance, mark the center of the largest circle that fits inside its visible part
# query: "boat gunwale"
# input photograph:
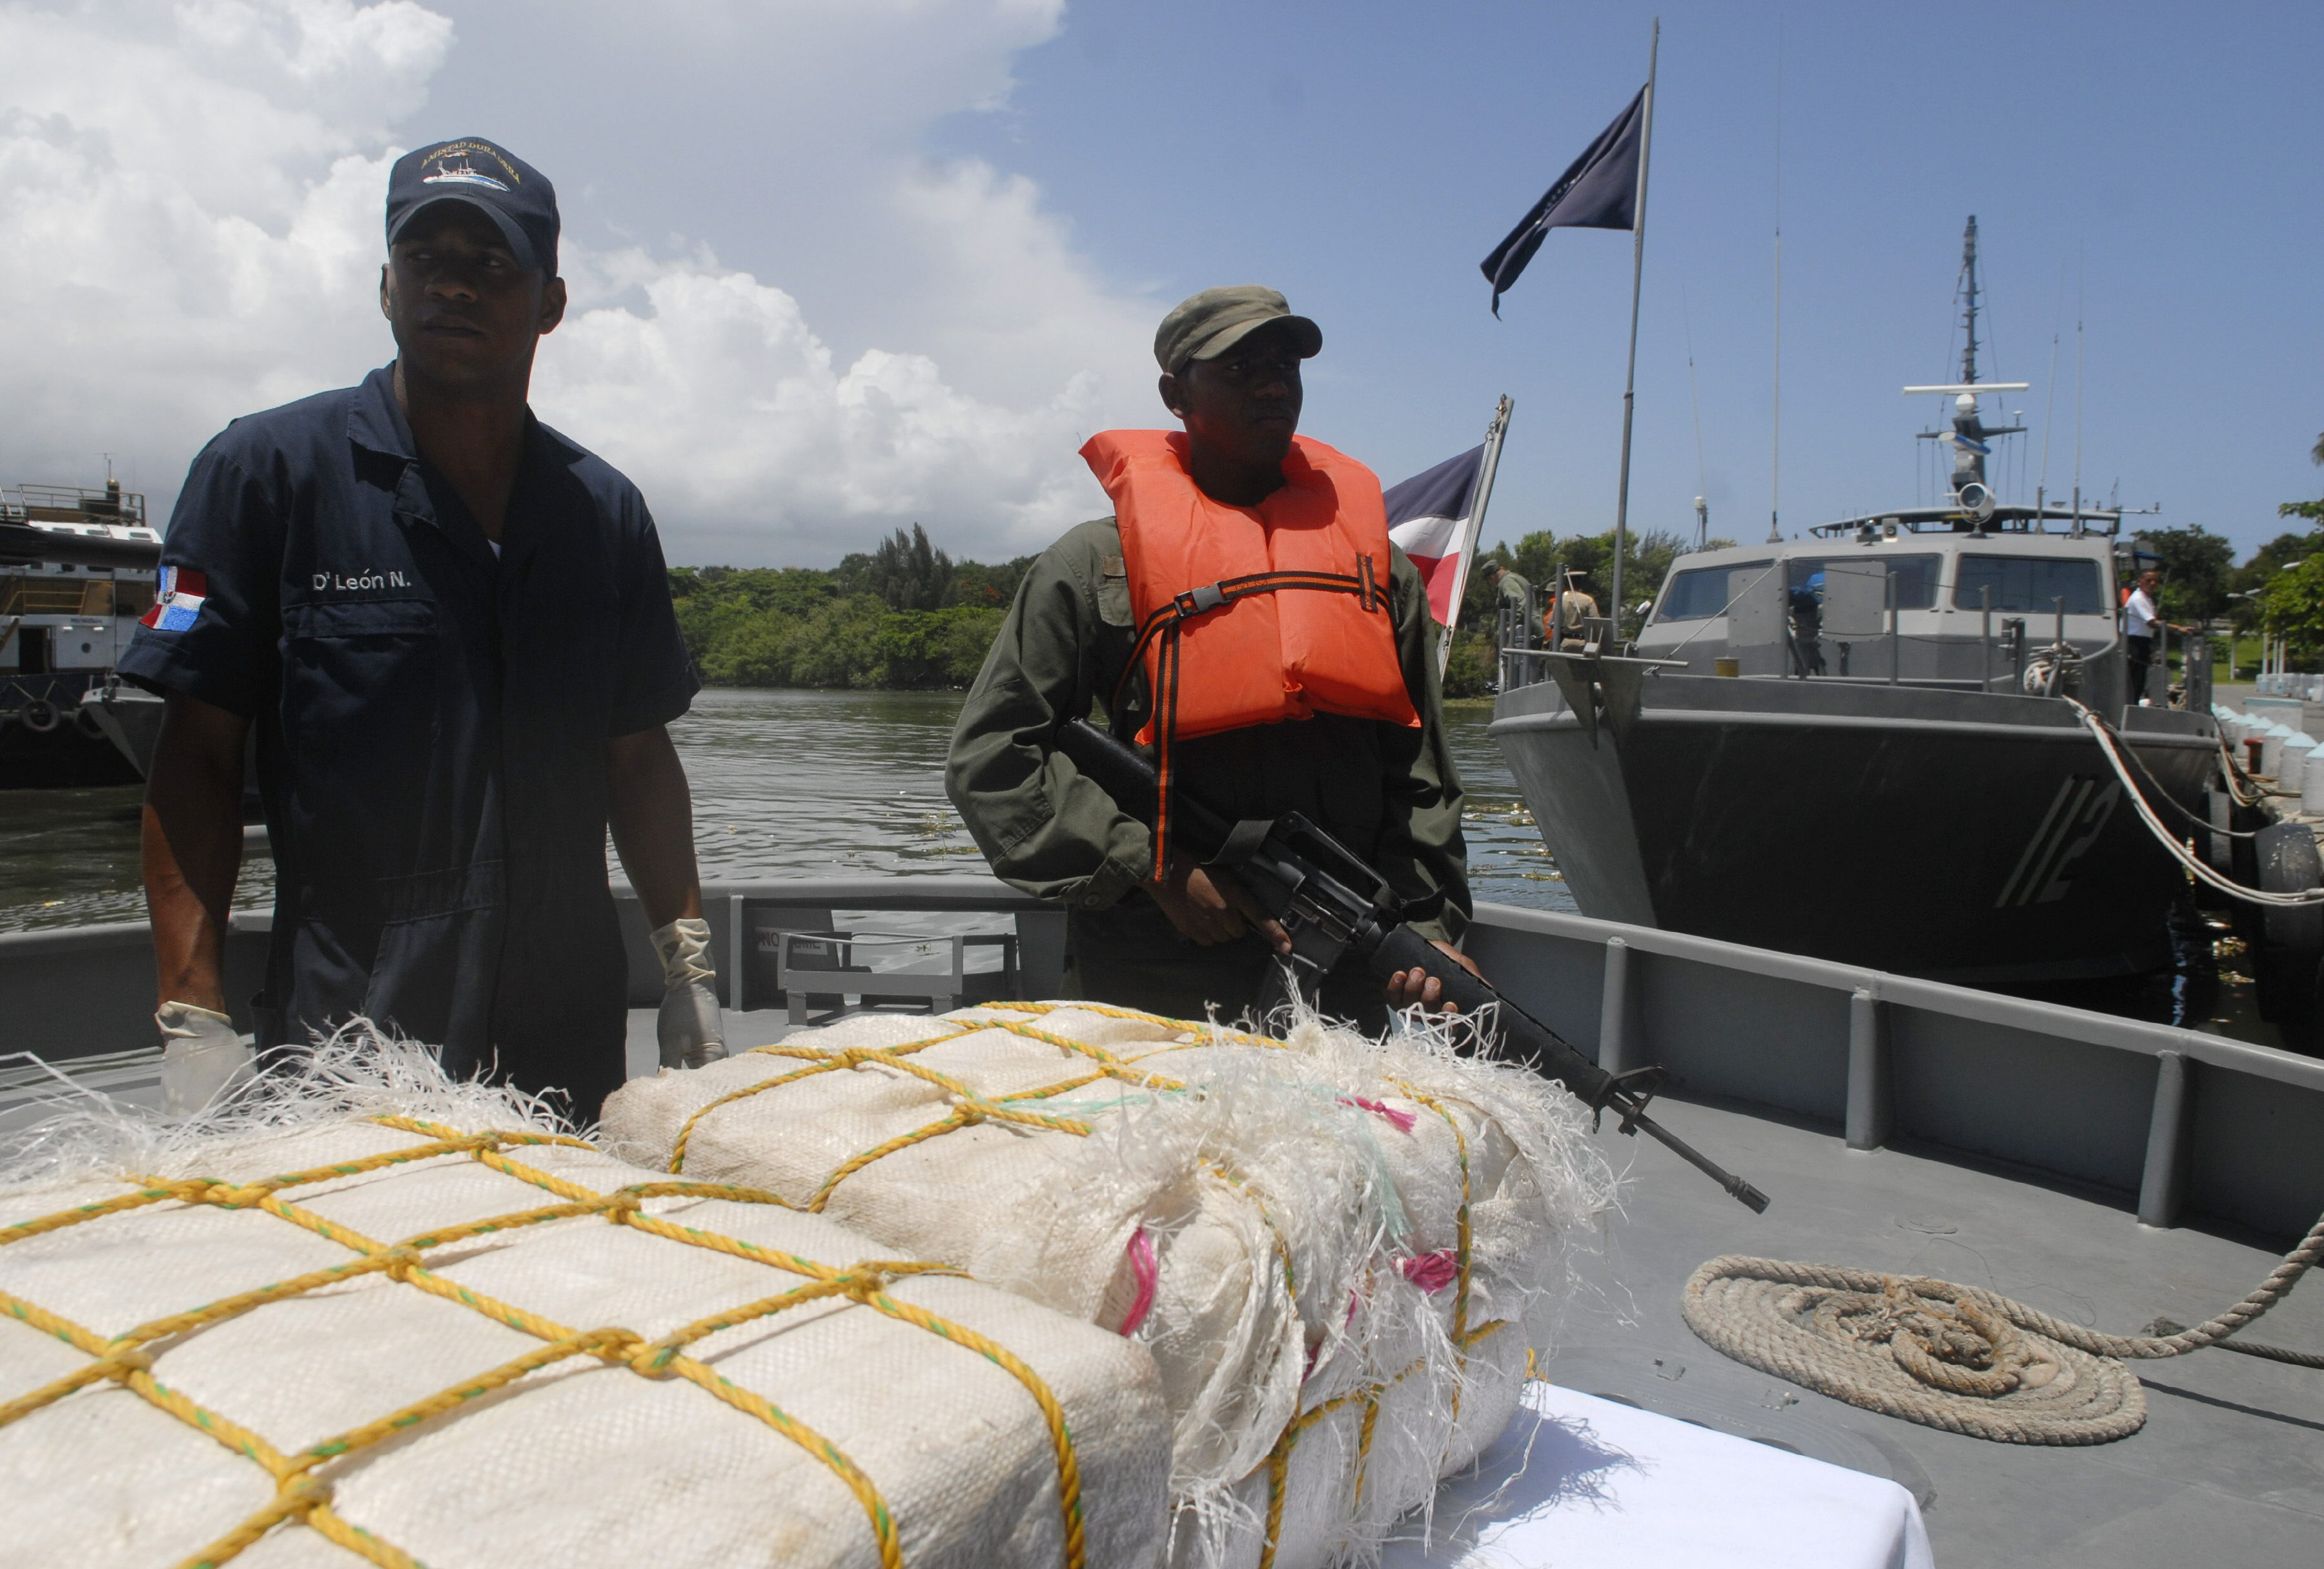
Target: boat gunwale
(972, 894)
(1566, 719)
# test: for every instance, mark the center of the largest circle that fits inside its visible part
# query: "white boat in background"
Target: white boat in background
(76, 569)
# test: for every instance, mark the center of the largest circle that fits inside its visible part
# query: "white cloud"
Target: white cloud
(189, 211)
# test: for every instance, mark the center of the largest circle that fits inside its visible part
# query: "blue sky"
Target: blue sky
(2159, 164)
(841, 265)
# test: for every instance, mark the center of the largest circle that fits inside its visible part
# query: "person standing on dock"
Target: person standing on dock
(1319, 698)
(450, 629)
(2140, 620)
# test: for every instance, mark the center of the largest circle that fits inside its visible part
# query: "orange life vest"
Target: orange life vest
(1252, 615)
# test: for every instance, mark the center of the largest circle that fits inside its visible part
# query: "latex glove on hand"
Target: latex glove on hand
(201, 1056)
(689, 1030)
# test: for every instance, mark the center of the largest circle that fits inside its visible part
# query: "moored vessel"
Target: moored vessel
(77, 570)
(1858, 745)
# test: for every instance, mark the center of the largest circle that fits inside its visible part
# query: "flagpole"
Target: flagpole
(1631, 377)
(1486, 468)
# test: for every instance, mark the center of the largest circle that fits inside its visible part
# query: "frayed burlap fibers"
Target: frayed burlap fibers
(1337, 1249)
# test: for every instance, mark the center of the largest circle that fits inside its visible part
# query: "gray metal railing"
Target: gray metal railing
(2167, 1120)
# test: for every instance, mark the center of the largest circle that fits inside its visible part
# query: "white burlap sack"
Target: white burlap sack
(574, 1383)
(1338, 1250)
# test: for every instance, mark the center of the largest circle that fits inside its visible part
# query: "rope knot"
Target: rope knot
(649, 1359)
(862, 1285)
(135, 1359)
(1938, 1336)
(303, 1494)
(401, 1259)
(211, 1190)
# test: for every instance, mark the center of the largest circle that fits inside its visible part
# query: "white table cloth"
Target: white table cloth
(1578, 1482)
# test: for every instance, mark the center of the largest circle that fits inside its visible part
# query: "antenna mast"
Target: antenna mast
(1776, 433)
(1969, 295)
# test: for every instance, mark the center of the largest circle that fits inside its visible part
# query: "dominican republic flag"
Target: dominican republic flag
(177, 600)
(1433, 516)
(1599, 192)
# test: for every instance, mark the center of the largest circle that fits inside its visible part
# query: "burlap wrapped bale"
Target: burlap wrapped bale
(1338, 1250)
(334, 1333)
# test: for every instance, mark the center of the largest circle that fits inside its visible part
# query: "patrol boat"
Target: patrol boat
(1859, 745)
(76, 569)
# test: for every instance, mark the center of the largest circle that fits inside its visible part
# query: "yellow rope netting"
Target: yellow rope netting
(305, 1497)
(969, 1108)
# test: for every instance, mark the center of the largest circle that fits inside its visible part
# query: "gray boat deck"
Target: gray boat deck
(2229, 1467)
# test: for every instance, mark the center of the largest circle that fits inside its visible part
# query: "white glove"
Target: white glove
(201, 1056)
(689, 1028)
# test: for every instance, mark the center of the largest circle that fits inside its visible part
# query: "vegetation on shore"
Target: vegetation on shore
(907, 616)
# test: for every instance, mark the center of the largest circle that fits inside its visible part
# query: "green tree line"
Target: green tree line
(2279, 592)
(904, 617)
(907, 616)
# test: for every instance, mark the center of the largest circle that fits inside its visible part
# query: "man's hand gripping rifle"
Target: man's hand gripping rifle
(1336, 910)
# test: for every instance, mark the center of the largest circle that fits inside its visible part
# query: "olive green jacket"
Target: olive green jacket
(1389, 792)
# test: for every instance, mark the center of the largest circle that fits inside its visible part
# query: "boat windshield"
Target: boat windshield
(2031, 582)
(1701, 592)
(1916, 576)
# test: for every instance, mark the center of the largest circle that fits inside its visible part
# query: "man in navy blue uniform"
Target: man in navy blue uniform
(451, 630)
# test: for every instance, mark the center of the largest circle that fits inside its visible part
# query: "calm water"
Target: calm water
(830, 783)
(801, 783)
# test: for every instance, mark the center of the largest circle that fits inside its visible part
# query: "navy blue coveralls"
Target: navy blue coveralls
(432, 725)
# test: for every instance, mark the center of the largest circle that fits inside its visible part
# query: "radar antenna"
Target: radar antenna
(1970, 435)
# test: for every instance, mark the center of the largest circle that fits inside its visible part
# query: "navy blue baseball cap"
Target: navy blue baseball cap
(517, 196)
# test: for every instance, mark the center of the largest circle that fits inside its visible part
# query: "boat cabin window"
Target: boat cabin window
(1916, 576)
(1706, 591)
(2031, 582)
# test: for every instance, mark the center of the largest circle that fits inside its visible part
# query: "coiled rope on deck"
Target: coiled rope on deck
(1955, 1357)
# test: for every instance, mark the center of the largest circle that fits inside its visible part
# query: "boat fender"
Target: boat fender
(2289, 957)
(39, 715)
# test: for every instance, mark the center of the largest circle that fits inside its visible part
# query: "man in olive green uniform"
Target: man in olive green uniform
(1512, 586)
(1230, 371)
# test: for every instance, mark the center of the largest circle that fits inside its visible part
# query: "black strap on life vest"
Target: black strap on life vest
(1164, 625)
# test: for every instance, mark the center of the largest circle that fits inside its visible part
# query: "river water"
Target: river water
(785, 783)
(832, 783)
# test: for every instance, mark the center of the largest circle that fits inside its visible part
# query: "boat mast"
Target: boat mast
(1970, 434)
(1969, 297)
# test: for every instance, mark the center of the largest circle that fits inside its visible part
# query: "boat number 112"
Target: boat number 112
(2075, 819)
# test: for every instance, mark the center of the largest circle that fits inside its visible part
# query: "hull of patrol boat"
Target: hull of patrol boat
(1957, 835)
(46, 743)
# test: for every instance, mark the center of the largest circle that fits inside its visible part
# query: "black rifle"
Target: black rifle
(1337, 910)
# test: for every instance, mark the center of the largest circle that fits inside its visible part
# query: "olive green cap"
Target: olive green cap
(1204, 326)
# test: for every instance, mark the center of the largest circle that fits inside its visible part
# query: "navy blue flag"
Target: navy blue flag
(1600, 191)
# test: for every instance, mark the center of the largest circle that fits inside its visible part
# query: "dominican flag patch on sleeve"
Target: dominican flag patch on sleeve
(177, 600)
